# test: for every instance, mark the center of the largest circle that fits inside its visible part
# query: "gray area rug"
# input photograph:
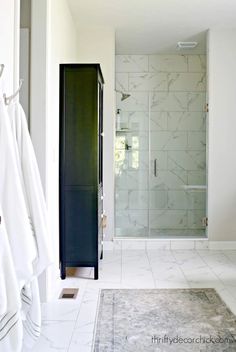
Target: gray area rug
(164, 320)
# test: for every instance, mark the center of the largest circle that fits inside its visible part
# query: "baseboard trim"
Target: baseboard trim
(222, 245)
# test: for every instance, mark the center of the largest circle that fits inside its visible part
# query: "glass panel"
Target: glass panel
(177, 195)
(131, 175)
(161, 146)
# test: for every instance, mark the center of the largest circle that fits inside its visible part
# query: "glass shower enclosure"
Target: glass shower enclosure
(160, 148)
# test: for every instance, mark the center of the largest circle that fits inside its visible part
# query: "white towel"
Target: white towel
(33, 188)
(11, 332)
(14, 209)
(32, 314)
(37, 213)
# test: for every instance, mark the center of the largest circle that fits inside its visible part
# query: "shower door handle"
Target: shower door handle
(155, 167)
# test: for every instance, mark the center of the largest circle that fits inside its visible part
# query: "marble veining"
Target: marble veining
(163, 123)
(168, 63)
(69, 326)
(131, 63)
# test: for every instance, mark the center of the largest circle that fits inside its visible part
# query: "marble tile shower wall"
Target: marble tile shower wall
(163, 118)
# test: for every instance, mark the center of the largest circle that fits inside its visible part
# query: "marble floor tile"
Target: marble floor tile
(160, 254)
(172, 277)
(73, 282)
(203, 278)
(139, 281)
(133, 253)
(226, 275)
(55, 336)
(81, 342)
(155, 245)
(227, 297)
(189, 261)
(97, 284)
(86, 319)
(214, 258)
(182, 244)
(231, 290)
(172, 284)
(110, 271)
(60, 310)
(69, 326)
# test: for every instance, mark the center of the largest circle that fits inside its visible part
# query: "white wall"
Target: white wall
(9, 44)
(25, 32)
(222, 135)
(56, 40)
(25, 13)
(97, 45)
(62, 49)
(38, 83)
(24, 69)
(53, 42)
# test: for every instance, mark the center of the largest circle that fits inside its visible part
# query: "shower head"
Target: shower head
(123, 95)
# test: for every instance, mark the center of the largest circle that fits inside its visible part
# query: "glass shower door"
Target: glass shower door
(177, 176)
(131, 173)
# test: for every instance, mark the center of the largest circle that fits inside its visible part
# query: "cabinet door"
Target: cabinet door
(81, 226)
(100, 133)
(100, 220)
(80, 126)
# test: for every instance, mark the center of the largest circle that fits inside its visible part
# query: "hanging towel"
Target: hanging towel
(21, 240)
(11, 332)
(34, 198)
(32, 314)
(33, 188)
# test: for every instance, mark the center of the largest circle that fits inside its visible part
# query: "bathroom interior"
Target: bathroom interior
(160, 156)
(159, 188)
(161, 144)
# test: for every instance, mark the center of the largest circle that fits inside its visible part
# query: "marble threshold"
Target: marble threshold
(158, 243)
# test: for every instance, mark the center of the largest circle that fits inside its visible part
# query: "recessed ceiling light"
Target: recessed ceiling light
(186, 45)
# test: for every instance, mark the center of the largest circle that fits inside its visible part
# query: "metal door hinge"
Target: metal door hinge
(206, 108)
(205, 221)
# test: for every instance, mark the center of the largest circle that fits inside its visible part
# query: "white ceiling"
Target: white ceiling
(154, 26)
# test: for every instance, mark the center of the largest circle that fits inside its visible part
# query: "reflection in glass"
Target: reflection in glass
(135, 159)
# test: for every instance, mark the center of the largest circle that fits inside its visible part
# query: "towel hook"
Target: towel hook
(9, 99)
(2, 66)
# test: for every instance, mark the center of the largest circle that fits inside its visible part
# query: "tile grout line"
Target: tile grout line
(172, 252)
(154, 280)
(121, 274)
(82, 299)
(221, 281)
(95, 322)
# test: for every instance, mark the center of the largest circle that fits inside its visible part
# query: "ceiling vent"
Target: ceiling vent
(186, 45)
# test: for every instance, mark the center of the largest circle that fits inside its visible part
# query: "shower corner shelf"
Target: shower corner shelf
(195, 187)
(124, 130)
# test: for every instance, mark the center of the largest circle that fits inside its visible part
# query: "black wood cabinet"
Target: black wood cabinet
(81, 126)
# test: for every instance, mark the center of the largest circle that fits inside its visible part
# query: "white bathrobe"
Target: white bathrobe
(21, 239)
(11, 331)
(34, 198)
(32, 185)
(31, 314)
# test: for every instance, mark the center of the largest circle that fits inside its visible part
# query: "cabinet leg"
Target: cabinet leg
(96, 272)
(63, 272)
